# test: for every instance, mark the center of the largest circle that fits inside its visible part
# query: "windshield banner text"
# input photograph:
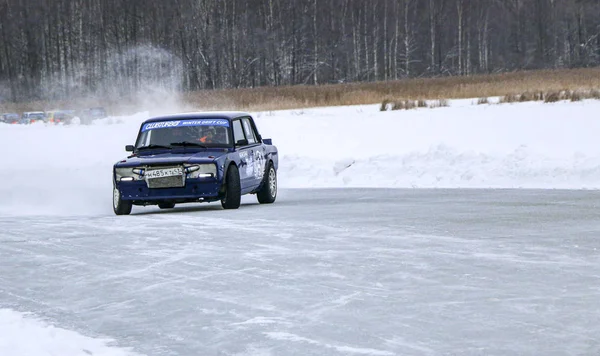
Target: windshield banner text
(184, 123)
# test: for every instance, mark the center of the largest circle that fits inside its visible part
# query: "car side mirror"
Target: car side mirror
(267, 141)
(129, 148)
(242, 142)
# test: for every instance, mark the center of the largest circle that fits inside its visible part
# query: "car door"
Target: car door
(244, 149)
(252, 154)
(257, 150)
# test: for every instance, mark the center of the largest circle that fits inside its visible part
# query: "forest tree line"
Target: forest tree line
(57, 49)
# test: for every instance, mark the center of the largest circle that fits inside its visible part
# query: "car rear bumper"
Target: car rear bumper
(194, 190)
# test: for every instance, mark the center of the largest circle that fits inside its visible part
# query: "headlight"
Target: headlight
(139, 171)
(129, 174)
(201, 171)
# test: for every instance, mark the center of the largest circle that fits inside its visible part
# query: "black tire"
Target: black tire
(233, 190)
(268, 192)
(166, 205)
(120, 207)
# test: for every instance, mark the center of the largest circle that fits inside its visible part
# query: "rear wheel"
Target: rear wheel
(233, 190)
(166, 205)
(268, 192)
(120, 207)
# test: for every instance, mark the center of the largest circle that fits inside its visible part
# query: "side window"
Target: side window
(238, 132)
(249, 131)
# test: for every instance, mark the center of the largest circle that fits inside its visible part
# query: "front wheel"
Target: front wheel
(233, 190)
(120, 206)
(268, 192)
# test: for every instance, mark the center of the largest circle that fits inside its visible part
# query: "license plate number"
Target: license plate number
(167, 172)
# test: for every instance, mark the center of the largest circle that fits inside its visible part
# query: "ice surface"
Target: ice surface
(322, 272)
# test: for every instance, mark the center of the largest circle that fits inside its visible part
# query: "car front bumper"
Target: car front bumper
(194, 190)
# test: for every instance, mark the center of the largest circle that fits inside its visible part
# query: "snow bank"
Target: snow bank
(525, 145)
(67, 169)
(21, 335)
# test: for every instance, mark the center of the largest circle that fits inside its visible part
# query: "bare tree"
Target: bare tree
(58, 49)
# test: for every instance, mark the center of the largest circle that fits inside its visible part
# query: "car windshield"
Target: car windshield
(197, 133)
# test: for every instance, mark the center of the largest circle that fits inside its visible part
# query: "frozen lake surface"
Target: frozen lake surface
(321, 272)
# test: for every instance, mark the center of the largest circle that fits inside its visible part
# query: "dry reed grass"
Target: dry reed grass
(552, 96)
(439, 103)
(289, 97)
(385, 104)
(407, 104)
(572, 95)
(512, 87)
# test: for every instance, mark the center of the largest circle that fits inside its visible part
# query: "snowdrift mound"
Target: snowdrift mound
(67, 169)
(22, 335)
(524, 145)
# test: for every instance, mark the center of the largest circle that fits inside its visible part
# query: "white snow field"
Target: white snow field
(58, 170)
(324, 270)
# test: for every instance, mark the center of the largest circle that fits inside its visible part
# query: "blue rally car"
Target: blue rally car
(196, 157)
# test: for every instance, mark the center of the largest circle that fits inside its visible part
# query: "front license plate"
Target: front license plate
(167, 172)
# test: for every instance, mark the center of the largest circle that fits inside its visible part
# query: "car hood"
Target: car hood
(171, 158)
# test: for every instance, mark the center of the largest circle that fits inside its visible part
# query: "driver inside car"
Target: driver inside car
(208, 135)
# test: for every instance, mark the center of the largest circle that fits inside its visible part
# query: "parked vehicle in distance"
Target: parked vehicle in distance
(10, 118)
(91, 114)
(196, 157)
(31, 117)
(60, 116)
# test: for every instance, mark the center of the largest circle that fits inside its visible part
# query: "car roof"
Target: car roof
(229, 115)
